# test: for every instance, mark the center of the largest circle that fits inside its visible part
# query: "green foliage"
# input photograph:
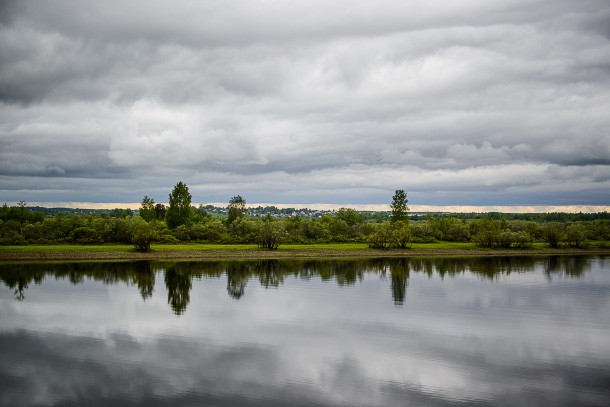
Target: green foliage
(401, 234)
(449, 229)
(215, 231)
(121, 213)
(160, 211)
(270, 234)
(314, 231)
(142, 235)
(116, 230)
(486, 232)
(147, 209)
(236, 209)
(179, 211)
(338, 229)
(381, 238)
(350, 216)
(245, 230)
(20, 225)
(395, 235)
(293, 229)
(85, 235)
(12, 238)
(554, 234)
(576, 235)
(399, 206)
(199, 214)
(423, 233)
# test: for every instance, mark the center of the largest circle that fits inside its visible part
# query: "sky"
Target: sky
(461, 103)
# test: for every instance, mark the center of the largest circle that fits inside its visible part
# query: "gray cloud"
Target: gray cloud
(299, 97)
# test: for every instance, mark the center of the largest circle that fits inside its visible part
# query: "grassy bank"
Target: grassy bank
(219, 251)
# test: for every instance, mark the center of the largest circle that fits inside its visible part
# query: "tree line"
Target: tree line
(181, 222)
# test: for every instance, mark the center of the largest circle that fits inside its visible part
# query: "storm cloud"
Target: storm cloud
(459, 103)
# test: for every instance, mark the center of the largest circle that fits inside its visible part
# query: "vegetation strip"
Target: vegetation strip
(204, 251)
(238, 233)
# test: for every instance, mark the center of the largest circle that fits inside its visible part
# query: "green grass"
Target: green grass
(186, 247)
(445, 245)
(196, 247)
(65, 248)
(325, 246)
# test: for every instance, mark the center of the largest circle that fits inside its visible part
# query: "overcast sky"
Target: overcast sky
(469, 102)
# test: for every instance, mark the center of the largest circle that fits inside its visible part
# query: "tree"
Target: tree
(349, 215)
(160, 211)
(401, 234)
(576, 235)
(179, 286)
(147, 210)
(142, 234)
(554, 234)
(270, 234)
(179, 211)
(486, 232)
(236, 209)
(381, 238)
(22, 214)
(399, 206)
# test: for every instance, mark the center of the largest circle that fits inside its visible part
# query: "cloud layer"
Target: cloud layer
(466, 103)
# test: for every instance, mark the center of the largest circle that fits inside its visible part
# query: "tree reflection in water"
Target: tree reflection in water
(178, 285)
(238, 274)
(399, 271)
(178, 275)
(144, 277)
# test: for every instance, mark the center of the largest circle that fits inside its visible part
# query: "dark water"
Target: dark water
(478, 331)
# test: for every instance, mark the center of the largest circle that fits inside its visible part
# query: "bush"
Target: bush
(12, 238)
(423, 233)
(401, 234)
(167, 238)
(85, 235)
(270, 234)
(142, 235)
(314, 231)
(576, 235)
(487, 233)
(522, 240)
(554, 234)
(381, 238)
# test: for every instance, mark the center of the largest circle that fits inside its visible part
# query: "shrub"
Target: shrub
(401, 234)
(142, 234)
(554, 234)
(576, 235)
(85, 235)
(381, 238)
(270, 234)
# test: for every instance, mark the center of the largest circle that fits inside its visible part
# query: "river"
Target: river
(506, 331)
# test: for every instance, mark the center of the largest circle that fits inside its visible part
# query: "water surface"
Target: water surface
(383, 332)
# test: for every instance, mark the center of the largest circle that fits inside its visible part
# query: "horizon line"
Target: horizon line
(360, 207)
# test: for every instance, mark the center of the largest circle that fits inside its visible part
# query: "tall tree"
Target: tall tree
(179, 211)
(147, 209)
(236, 209)
(160, 211)
(399, 206)
(23, 214)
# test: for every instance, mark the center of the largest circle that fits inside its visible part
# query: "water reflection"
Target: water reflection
(179, 284)
(272, 273)
(380, 332)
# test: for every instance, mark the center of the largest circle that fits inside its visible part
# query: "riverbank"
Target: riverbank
(217, 251)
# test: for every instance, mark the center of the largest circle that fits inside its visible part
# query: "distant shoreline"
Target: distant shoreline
(218, 252)
(372, 207)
